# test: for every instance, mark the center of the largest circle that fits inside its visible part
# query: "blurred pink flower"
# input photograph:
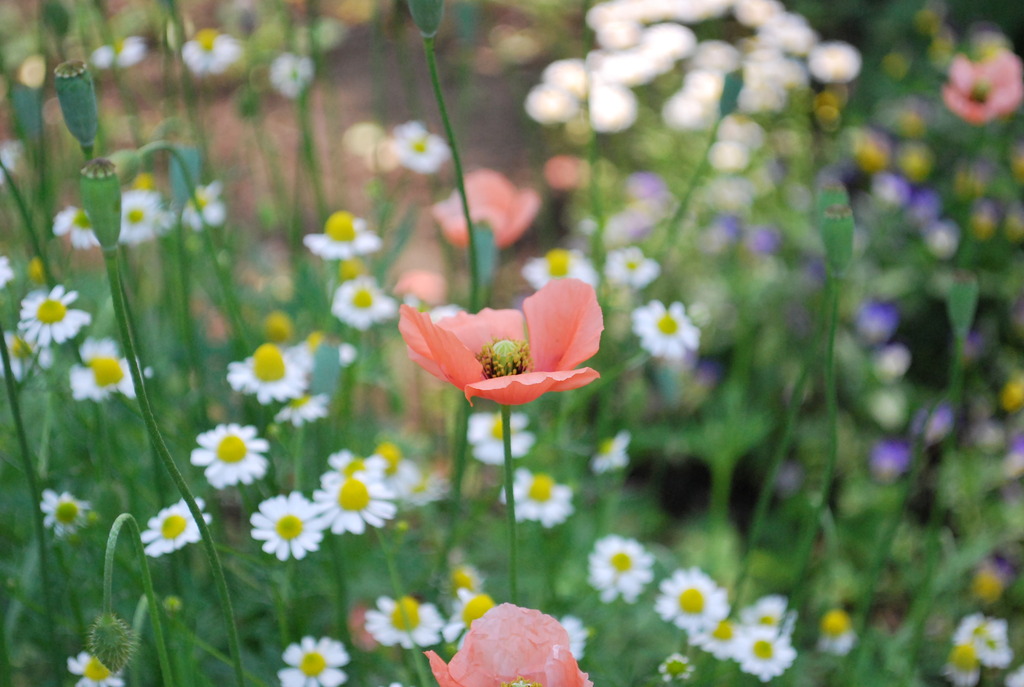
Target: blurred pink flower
(429, 287)
(979, 92)
(492, 199)
(509, 643)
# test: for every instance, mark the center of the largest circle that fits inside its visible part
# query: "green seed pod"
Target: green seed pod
(426, 14)
(112, 641)
(837, 235)
(961, 304)
(831, 193)
(77, 99)
(101, 200)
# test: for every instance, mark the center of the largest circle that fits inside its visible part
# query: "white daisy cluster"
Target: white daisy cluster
(485, 436)
(143, 218)
(978, 642)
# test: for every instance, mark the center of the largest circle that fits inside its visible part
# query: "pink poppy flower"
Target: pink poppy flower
(492, 199)
(509, 644)
(489, 354)
(979, 92)
(429, 287)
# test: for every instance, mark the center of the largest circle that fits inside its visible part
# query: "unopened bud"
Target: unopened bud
(101, 200)
(127, 162)
(427, 14)
(961, 304)
(77, 99)
(837, 235)
(731, 88)
(112, 641)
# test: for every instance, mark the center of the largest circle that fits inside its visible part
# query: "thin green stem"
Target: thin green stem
(26, 221)
(147, 586)
(458, 473)
(474, 268)
(510, 501)
(396, 589)
(6, 673)
(671, 228)
(340, 589)
(111, 259)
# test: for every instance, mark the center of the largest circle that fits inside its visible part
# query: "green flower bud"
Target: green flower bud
(77, 102)
(426, 14)
(101, 200)
(837, 235)
(112, 641)
(731, 88)
(831, 193)
(961, 304)
(127, 162)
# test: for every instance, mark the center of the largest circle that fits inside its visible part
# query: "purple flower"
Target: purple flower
(647, 187)
(925, 205)
(722, 233)
(890, 458)
(877, 321)
(763, 240)
(707, 373)
(974, 346)
(891, 189)
(1013, 461)
(936, 426)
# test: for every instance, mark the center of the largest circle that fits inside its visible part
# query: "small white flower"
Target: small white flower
(1016, 678)
(486, 437)
(360, 303)
(467, 577)
(837, 635)
(289, 526)
(6, 271)
(211, 52)
(93, 672)
(212, 211)
(619, 567)
(611, 454)
(25, 356)
(171, 529)
(406, 622)
(539, 498)
(314, 663)
(962, 666)
(74, 221)
(675, 667)
(612, 108)
(401, 475)
(303, 409)
(63, 513)
(351, 502)
(105, 372)
(549, 104)
(764, 652)
(570, 75)
(127, 52)
(769, 611)
(269, 373)
(666, 332)
(468, 607)
(989, 637)
(834, 62)
(142, 217)
(578, 635)
(629, 266)
(10, 153)
(291, 74)
(345, 236)
(418, 149)
(231, 454)
(558, 264)
(720, 642)
(692, 601)
(45, 317)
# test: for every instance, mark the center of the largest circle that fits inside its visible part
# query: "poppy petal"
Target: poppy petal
(516, 390)
(565, 324)
(448, 359)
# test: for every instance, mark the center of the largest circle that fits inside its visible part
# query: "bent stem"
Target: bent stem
(117, 293)
(147, 586)
(510, 501)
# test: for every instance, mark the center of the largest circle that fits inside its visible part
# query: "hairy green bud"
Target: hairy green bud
(112, 641)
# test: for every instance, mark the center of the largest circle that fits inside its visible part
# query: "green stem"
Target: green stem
(111, 259)
(510, 501)
(340, 589)
(6, 672)
(396, 589)
(26, 221)
(458, 473)
(474, 270)
(147, 585)
(316, 179)
(671, 230)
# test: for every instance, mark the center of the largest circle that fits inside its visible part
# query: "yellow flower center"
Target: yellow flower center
(406, 615)
(521, 682)
(496, 430)
(606, 446)
(354, 466)
(622, 562)
(118, 46)
(173, 526)
(66, 512)
(768, 620)
(314, 340)
(95, 670)
(763, 649)
(420, 145)
(668, 325)
(631, 265)
(691, 601)
(312, 664)
(558, 262)
(462, 579)
(299, 402)
(21, 348)
(351, 268)
(353, 495)
(206, 38)
(390, 452)
(987, 585)
(145, 182)
(51, 311)
(268, 363)
(289, 527)
(835, 623)
(231, 449)
(35, 270)
(201, 200)
(81, 220)
(341, 227)
(106, 371)
(723, 632)
(540, 489)
(277, 327)
(476, 607)
(135, 215)
(964, 657)
(363, 298)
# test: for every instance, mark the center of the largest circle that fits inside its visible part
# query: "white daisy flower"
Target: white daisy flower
(769, 611)
(351, 502)
(211, 52)
(305, 408)
(430, 488)
(45, 317)
(485, 435)
(360, 303)
(676, 667)
(468, 607)
(467, 577)
(611, 453)
(764, 652)
(171, 529)
(25, 356)
(1016, 678)
(270, 374)
(212, 211)
(6, 271)
(962, 666)
(406, 622)
(347, 354)
(629, 266)
(559, 263)
(105, 372)
(231, 454)
(619, 567)
(345, 236)
(539, 498)
(837, 635)
(834, 62)
(314, 663)
(403, 476)
(666, 332)
(692, 601)
(349, 464)
(289, 526)
(291, 74)
(126, 52)
(720, 642)
(10, 153)
(63, 513)
(74, 221)
(549, 104)
(578, 634)
(142, 217)
(418, 149)
(612, 108)
(989, 637)
(93, 672)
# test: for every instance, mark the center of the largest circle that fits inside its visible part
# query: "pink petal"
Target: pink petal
(516, 390)
(484, 327)
(565, 324)
(445, 356)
